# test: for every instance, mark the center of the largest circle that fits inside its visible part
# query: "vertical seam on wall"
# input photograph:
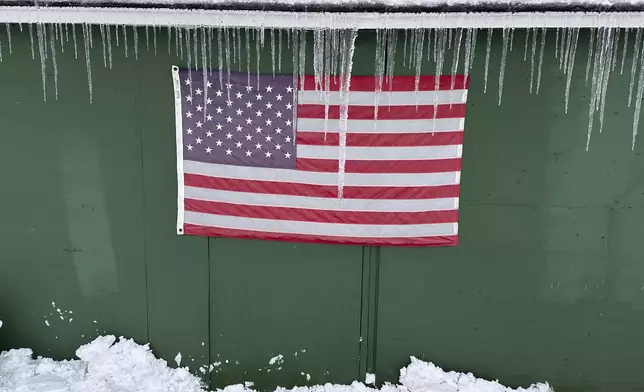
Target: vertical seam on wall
(376, 288)
(139, 131)
(362, 339)
(209, 334)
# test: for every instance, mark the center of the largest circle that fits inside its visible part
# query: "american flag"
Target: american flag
(256, 160)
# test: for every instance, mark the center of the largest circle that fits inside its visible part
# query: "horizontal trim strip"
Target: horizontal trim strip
(388, 167)
(315, 20)
(398, 83)
(384, 126)
(385, 112)
(315, 178)
(321, 203)
(326, 191)
(189, 229)
(363, 98)
(321, 216)
(319, 228)
(380, 153)
(381, 139)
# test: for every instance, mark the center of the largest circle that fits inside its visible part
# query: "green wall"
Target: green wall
(546, 284)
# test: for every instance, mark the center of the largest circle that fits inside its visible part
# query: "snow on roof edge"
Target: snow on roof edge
(357, 5)
(314, 20)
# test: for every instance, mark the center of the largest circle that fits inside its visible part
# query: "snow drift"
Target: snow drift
(111, 365)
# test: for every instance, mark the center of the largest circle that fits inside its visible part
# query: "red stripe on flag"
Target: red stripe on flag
(322, 216)
(381, 139)
(356, 166)
(399, 83)
(208, 231)
(331, 191)
(397, 112)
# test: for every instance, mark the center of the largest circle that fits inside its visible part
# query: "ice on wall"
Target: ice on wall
(205, 48)
(111, 364)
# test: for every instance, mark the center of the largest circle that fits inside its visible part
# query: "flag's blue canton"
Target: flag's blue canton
(237, 123)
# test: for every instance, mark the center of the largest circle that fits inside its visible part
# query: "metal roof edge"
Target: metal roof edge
(315, 20)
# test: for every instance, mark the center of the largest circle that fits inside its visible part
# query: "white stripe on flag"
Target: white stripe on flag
(322, 203)
(317, 178)
(380, 153)
(319, 228)
(383, 126)
(364, 98)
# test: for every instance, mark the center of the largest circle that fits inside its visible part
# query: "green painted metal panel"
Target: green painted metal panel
(547, 275)
(544, 284)
(72, 222)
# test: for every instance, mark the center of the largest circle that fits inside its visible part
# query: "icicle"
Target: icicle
(525, 49)
(456, 57)
(302, 61)
(615, 48)
(1, 59)
(591, 45)
(621, 68)
(468, 52)
(273, 52)
(204, 71)
(227, 57)
(295, 42)
(563, 45)
(52, 48)
(209, 34)
(135, 38)
(532, 56)
(188, 51)
(247, 36)
(487, 58)
(178, 40)
(557, 41)
(220, 60)
(541, 53)
(147, 37)
(504, 55)
(636, 54)
(60, 37)
(511, 38)
(570, 64)
(406, 41)
(607, 67)
(328, 43)
(86, 33)
(108, 36)
(31, 41)
(8, 26)
(73, 27)
(279, 51)
(154, 37)
(41, 52)
(392, 44)
(125, 39)
(169, 33)
(345, 82)
(420, 40)
(638, 103)
(237, 35)
(101, 29)
(258, 51)
(412, 48)
(380, 69)
(566, 54)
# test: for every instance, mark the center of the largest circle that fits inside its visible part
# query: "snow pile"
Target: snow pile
(108, 365)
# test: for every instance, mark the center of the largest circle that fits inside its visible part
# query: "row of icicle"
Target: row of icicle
(333, 52)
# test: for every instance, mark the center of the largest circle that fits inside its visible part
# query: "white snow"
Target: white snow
(276, 359)
(108, 364)
(370, 378)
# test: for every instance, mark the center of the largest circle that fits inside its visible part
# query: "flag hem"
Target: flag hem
(179, 144)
